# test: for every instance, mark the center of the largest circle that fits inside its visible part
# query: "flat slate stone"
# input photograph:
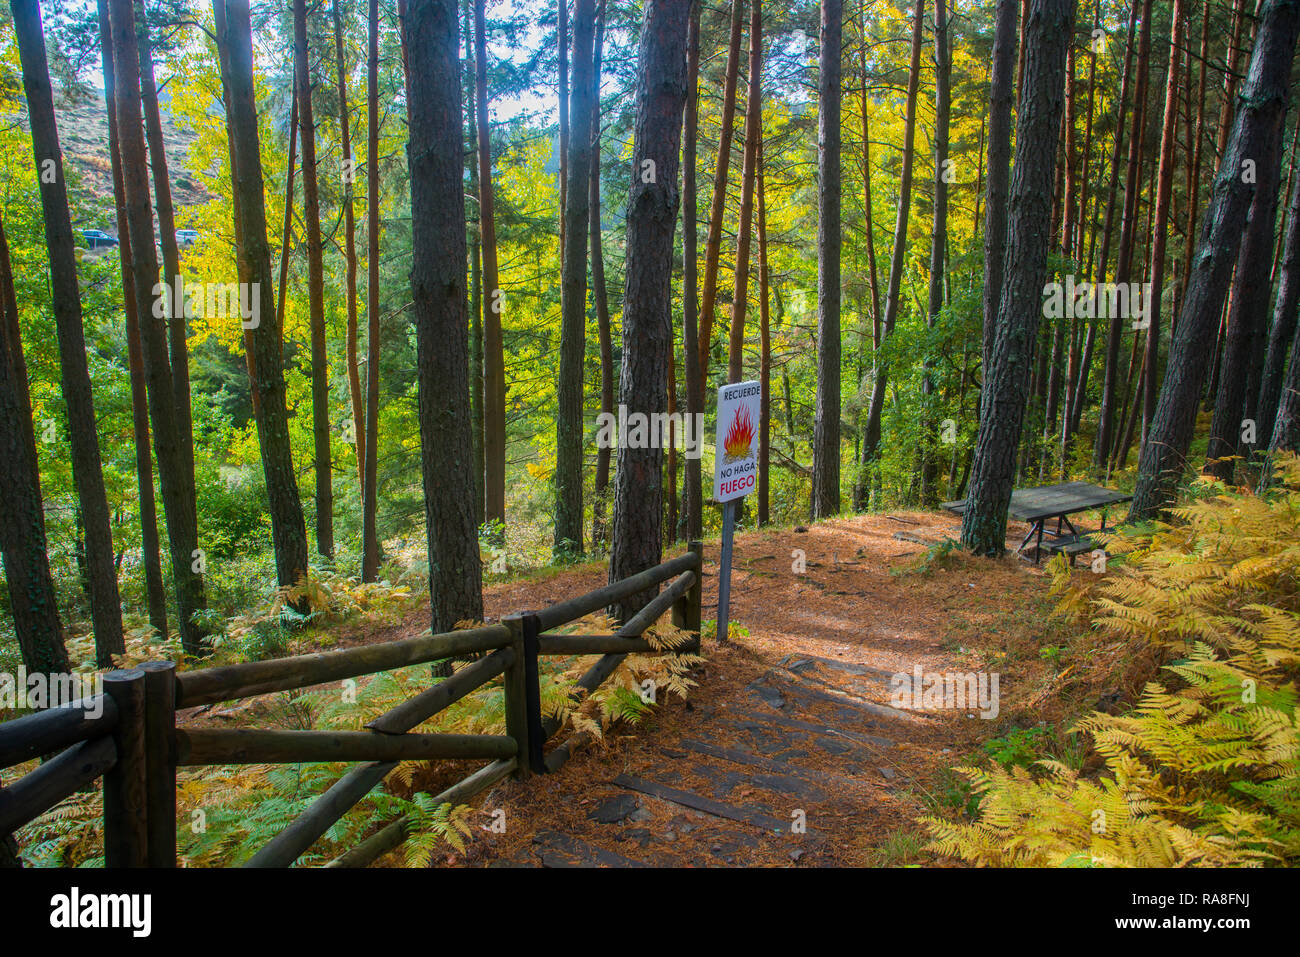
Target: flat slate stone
(562, 850)
(747, 815)
(769, 695)
(641, 835)
(851, 703)
(727, 843)
(767, 764)
(615, 809)
(818, 729)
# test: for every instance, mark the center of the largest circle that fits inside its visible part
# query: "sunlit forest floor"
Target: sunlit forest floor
(791, 719)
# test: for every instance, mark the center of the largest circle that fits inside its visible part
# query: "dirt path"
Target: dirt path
(788, 752)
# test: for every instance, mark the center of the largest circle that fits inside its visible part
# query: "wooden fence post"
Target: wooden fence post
(126, 816)
(533, 694)
(686, 610)
(516, 687)
(160, 760)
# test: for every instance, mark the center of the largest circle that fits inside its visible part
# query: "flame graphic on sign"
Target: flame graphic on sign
(740, 436)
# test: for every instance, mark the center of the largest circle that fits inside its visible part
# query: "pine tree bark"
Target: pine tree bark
(286, 231)
(1001, 105)
(718, 207)
(600, 297)
(1107, 420)
(320, 388)
(1286, 426)
(1050, 26)
(1160, 227)
(475, 268)
(1197, 147)
(826, 422)
(83, 431)
(692, 493)
(370, 482)
(765, 354)
(562, 93)
(438, 292)
(22, 513)
(862, 484)
(1256, 134)
(349, 254)
(938, 248)
(1283, 330)
(288, 529)
(155, 594)
(494, 372)
(177, 336)
(753, 131)
(573, 293)
(1100, 450)
(1246, 319)
(647, 318)
(893, 293)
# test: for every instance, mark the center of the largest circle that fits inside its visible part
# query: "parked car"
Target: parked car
(187, 237)
(96, 238)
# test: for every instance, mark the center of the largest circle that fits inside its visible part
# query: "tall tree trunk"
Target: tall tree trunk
(1249, 312)
(862, 484)
(1128, 226)
(475, 270)
(22, 514)
(647, 317)
(1286, 426)
(871, 439)
(1282, 332)
(692, 497)
(1231, 75)
(753, 131)
(765, 354)
(1256, 134)
(938, 247)
(1101, 444)
(1050, 26)
(562, 71)
(494, 369)
(1076, 380)
(286, 233)
(83, 431)
(1160, 228)
(320, 388)
(1197, 147)
(718, 208)
(288, 530)
(826, 424)
(573, 293)
(178, 344)
(155, 594)
(1061, 330)
(370, 482)
(600, 296)
(350, 255)
(438, 291)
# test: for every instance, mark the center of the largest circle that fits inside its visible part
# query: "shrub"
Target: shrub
(1205, 769)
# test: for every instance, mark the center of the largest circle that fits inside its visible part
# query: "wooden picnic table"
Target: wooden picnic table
(1037, 506)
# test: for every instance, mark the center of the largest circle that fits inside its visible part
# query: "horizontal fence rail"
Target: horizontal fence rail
(55, 729)
(209, 685)
(54, 781)
(129, 735)
(242, 746)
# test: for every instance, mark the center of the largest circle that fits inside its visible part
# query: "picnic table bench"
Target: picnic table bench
(1037, 506)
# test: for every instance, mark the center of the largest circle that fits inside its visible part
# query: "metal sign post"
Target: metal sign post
(735, 473)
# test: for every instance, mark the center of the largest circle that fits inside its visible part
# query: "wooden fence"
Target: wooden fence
(133, 741)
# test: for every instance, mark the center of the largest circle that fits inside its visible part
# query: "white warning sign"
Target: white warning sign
(735, 469)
